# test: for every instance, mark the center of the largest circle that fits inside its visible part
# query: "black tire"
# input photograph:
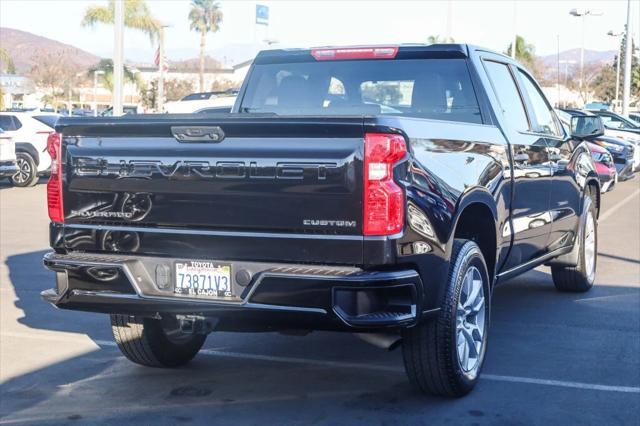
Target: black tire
(430, 350)
(27, 174)
(580, 278)
(146, 342)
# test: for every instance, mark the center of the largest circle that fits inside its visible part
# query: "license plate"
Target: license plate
(203, 279)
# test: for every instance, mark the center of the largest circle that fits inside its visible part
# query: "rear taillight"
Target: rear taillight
(383, 197)
(54, 186)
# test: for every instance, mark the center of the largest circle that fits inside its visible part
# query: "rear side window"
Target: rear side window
(9, 123)
(507, 94)
(427, 88)
(544, 121)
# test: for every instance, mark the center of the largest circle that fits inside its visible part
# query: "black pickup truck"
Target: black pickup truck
(382, 191)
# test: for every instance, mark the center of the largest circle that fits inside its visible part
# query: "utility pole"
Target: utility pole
(118, 56)
(626, 89)
(558, 74)
(515, 30)
(160, 100)
(617, 99)
(448, 32)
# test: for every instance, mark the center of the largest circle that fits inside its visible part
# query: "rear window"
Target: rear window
(48, 120)
(427, 88)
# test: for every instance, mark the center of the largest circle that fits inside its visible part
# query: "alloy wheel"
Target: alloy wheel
(590, 247)
(24, 171)
(470, 322)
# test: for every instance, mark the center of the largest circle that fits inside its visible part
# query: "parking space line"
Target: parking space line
(607, 214)
(390, 369)
(339, 364)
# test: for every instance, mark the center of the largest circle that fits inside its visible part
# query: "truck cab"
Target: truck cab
(378, 190)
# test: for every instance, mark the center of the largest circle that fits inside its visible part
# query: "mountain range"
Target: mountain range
(26, 48)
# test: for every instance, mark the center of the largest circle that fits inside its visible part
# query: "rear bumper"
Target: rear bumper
(8, 168)
(274, 296)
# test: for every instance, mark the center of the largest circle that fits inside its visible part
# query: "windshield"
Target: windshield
(428, 88)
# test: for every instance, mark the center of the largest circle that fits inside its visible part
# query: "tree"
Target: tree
(173, 89)
(8, 65)
(106, 66)
(591, 72)
(57, 73)
(136, 16)
(224, 85)
(525, 54)
(205, 17)
(436, 39)
(604, 83)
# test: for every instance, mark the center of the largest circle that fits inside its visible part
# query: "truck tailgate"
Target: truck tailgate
(225, 185)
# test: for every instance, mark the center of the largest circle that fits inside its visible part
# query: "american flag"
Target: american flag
(156, 60)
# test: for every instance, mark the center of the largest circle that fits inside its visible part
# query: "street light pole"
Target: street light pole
(626, 89)
(118, 56)
(583, 14)
(617, 98)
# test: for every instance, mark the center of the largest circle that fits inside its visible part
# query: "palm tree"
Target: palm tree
(205, 17)
(106, 66)
(525, 53)
(436, 39)
(136, 15)
(6, 59)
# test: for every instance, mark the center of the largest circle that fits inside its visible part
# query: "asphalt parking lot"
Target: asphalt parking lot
(553, 358)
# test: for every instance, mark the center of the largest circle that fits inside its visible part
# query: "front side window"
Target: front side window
(427, 88)
(544, 120)
(507, 93)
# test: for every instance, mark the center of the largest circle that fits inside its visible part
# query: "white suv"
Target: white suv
(29, 131)
(7, 155)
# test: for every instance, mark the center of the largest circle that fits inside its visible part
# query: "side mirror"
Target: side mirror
(586, 126)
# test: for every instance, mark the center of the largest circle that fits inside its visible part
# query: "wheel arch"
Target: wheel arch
(592, 183)
(29, 149)
(475, 219)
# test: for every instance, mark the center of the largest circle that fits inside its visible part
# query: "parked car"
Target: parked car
(625, 154)
(126, 110)
(605, 167)
(8, 165)
(635, 116)
(616, 121)
(622, 127)
(215, 110)
(312, 207)
(198, 102)
(29, 131)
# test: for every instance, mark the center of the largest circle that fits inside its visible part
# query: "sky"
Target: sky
(332, 22)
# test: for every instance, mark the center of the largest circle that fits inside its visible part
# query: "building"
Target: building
(17, 91)
(234, 74)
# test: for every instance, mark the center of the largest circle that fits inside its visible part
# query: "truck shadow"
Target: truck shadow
(5, 183)
(267, 386)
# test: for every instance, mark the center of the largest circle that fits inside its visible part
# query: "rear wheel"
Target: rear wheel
(27, 174)
(153, 342)
(445, 355)
(580, 278)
